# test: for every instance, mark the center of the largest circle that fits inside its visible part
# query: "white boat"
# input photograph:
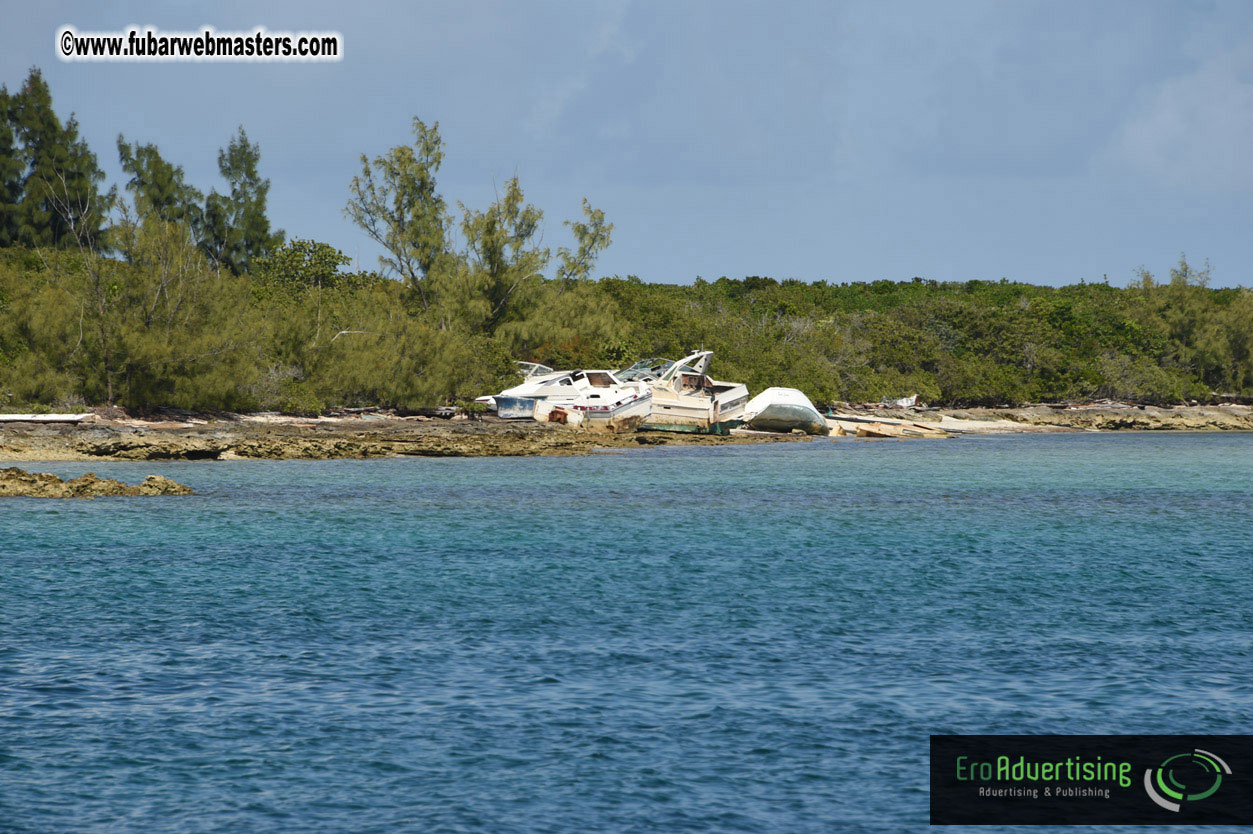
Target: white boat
(784, 409)
(685, 398)
(603, 401)
(518, 402)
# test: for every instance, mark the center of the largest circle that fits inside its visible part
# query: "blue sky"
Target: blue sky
(1041, 142)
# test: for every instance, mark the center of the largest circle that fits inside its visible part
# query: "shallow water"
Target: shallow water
(752, 638)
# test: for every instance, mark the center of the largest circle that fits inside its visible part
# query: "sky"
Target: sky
(1041, 142)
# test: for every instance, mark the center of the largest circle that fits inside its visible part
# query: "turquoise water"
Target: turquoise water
(736, 639)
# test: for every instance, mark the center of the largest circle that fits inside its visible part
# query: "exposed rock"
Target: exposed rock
(1136, 418)
(649, 440)
(325, 439)
(252, 437)
(16, 482)
(1099, 417)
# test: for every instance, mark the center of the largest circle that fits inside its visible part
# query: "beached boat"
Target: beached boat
(685, 398)
(784, 409)
(604, 402)
(626, 412)
(518, 402)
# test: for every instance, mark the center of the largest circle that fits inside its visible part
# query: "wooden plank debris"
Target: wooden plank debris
(44, 418)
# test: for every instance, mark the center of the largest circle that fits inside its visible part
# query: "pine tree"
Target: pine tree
(61, 201)
(505, 257)
(237, 230)
(395, 202)
(11, 169)
(159, 186)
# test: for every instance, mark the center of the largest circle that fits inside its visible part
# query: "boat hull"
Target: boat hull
(515, 408)
(621, 417)
(626, 417)
(785, 417)
(721, 427)
(701, 418)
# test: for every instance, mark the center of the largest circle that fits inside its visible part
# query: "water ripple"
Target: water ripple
(739, 639)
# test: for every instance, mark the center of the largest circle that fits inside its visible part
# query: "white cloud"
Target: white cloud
(606, 42)
(609, 38)
(552, 102)
(1194, 131)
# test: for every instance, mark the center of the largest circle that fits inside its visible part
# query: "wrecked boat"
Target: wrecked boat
(603, 401)
(518, 402)
(685, 398)
(782, 410)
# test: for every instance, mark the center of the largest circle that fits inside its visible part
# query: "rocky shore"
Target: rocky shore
(237, 437)
(324, 438)
(1099, 417)
(16, 483)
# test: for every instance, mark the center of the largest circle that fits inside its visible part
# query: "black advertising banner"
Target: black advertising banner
(1092, 780)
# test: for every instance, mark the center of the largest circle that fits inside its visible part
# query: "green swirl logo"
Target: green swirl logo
(1186, 777)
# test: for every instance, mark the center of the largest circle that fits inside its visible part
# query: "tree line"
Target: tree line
(161, 294)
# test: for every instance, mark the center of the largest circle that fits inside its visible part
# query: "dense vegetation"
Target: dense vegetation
(162, 295)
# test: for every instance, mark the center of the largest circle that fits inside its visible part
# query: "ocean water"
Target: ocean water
(755, 638)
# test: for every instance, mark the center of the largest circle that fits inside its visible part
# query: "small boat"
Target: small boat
(782, 410)
(603, 401)
(685, 398)
(518, 403)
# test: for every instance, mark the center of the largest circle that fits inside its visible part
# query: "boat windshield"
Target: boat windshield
(599, 379)
(682, 367)
(530, 369)
(689, 380)
(645, 369)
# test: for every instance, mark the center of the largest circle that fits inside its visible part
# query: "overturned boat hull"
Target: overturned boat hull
(786, 418)
(784, 410)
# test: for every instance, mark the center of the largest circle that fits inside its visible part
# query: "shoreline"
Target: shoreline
(276, 437)
(252, 437)
(1092, 417)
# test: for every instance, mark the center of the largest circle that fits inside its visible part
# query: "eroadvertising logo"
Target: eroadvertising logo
(1195, 776)
(1091, 780)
